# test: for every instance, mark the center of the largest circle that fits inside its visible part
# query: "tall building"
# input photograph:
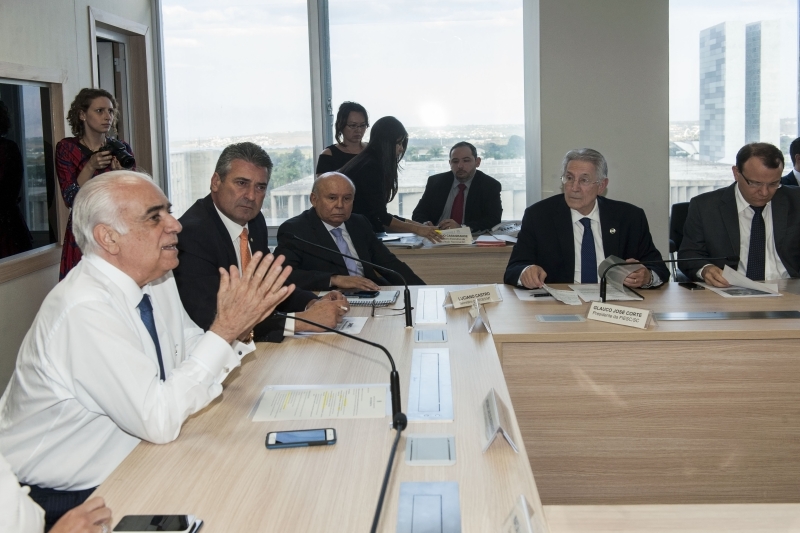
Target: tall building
(738, 90)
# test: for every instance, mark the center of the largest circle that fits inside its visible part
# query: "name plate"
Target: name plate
(483, 294)
(523, 519)
(456, 236)
(618, 314)
(495, 420)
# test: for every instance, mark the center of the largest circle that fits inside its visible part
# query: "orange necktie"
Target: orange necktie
(244, 249)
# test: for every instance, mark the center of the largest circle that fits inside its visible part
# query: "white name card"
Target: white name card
(495, 420)
(618, 314)
(456, 236)
(483, 294)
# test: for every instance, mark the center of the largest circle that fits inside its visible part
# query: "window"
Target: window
(28, 217)
(733, 80)
(236, 71)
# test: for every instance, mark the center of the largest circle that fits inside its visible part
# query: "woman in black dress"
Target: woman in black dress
(352, 122)
(374, 173)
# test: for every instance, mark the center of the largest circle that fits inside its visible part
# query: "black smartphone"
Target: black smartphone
(302, 437)
(361, 294)
(142, 523)
(691, 286)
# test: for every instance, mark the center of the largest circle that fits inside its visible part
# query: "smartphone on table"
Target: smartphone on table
(179, 523)
(691, 286)
(361, 294)
(302, 437)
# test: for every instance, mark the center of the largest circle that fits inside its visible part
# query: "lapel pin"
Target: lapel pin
(612, 231)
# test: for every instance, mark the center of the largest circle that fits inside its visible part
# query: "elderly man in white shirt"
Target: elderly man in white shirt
(112, 358)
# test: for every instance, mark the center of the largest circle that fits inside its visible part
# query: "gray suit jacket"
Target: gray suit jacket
(712, 230)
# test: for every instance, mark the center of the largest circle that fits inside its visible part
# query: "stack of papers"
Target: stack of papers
(742, 286)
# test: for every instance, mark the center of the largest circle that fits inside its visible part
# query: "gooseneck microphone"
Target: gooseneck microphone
(727, 259)
(400, 422)
(394, 377)
(406, 292)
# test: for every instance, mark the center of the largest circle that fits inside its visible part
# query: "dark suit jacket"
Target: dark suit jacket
(484, 209)
(312, 268)
(712, 230)
(204, 245)
(547, 239)
(789, 179)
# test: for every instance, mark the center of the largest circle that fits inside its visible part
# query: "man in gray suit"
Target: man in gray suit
(755, 219)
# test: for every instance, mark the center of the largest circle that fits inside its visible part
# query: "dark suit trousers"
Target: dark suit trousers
(56, 503)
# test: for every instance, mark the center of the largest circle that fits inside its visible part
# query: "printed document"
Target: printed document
(309, 402)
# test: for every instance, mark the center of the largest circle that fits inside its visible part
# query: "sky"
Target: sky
(240, 67)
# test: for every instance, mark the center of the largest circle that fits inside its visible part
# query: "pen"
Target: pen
(343, 308)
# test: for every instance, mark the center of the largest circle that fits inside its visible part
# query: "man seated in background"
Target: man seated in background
(754, 219)
(225, 228)
(331, 224)
(465, 195)
(794, 172)
(564, 238)
(112, 358)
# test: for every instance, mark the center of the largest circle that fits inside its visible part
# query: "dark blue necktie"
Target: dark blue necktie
(588, 256)
(756, 257)
(146, 312)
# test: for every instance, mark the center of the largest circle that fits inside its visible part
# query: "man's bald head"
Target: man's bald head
(332, 197)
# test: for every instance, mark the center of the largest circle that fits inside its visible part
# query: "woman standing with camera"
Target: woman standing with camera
(92, 116)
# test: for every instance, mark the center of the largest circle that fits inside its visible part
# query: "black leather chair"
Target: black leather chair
(677, 218)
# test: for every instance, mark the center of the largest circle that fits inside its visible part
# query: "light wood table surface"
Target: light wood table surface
(462, 264)
(682, 413)
(220, 470)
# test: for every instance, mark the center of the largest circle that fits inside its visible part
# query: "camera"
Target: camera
(119, 151)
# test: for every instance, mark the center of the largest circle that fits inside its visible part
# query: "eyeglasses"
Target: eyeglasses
(583, 181)
(354, 126)
(774, 186)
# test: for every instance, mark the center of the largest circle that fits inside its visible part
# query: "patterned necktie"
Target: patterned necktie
(146, 312)
(457, 211)
(588, 255)
(342, 245)
(756, 257)
(244, 249)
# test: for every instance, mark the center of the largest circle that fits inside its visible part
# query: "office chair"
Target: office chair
(677, 218)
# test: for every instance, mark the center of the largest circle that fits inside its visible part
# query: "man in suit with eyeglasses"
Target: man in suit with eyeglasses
(564, 238)
(755, 218)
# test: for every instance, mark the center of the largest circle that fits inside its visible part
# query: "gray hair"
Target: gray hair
(315, 187)
(590, 156)
(96, 203)
(246, 151)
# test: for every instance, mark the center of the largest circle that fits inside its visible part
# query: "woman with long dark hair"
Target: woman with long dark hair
(92, 118)
(352, 122)
(374, 173)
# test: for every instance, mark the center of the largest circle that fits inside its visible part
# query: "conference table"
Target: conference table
(682, 427)
(220, 470)
(683, 412)
(469, 264)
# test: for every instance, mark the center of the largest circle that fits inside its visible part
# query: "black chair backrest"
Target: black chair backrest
(677, 219)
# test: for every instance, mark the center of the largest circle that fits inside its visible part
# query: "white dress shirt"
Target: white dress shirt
(451, 197)
(235, 231)
(773, 267)
(348, 240)
(86, 387)
(796, 174)
(19, 513)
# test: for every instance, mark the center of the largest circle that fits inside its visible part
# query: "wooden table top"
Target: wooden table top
(513, 320)
(220, 470)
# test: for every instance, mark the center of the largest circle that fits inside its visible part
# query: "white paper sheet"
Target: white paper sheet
(349, 324)
(527, 295)
(314, 402)
(742, 286)
(567, 297)
(590, 292)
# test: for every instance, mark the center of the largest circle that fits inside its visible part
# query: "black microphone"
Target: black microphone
(406, 293)
(400, 423)
(727, 259)
(394, 377)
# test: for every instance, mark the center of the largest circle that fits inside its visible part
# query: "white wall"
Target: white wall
(604, 85)
(54, 34)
